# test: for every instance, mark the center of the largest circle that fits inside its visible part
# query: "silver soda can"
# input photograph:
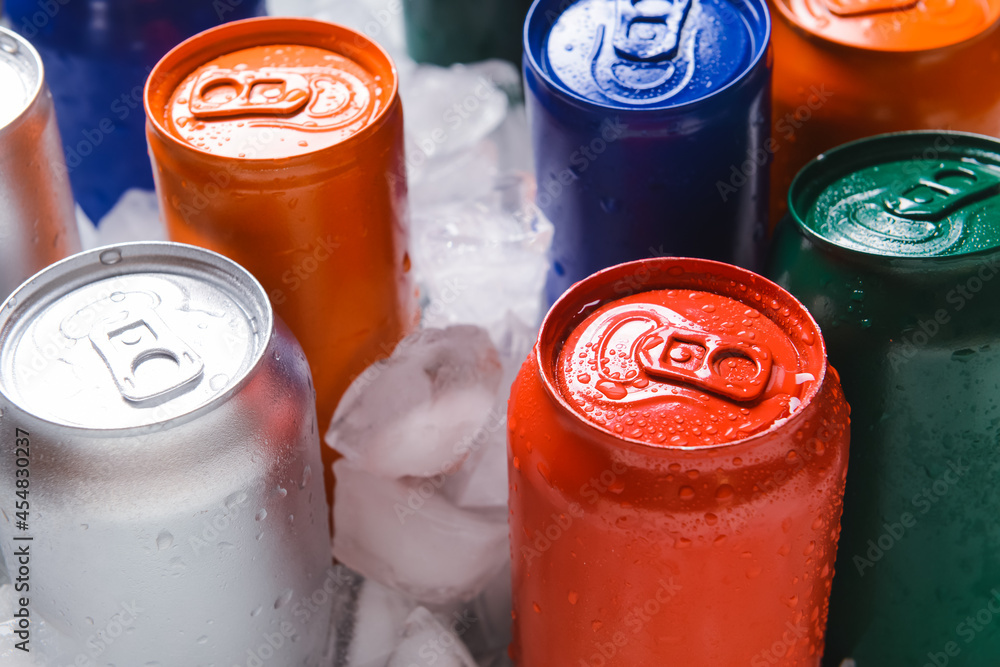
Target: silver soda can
(37, 218)
(174, 511)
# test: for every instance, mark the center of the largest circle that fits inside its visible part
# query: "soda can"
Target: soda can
(279, 143)
(850, 69)
(97, 55)
(650, 129)
(893, 242)
(444, 32)
(162, 480)
(37, 223)
(678, 447)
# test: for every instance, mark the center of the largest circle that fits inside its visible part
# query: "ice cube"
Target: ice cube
(416, 413)
(406, 535)
(484, 623)
(476, 259)
(427, 642)
(368, 621)
(135, 217)
(451, 109)
(379, 20)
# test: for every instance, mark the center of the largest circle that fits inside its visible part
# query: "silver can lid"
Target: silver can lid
(20, 76)
(131, 335)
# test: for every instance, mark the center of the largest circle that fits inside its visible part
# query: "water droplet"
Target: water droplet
(517, 463)
(534, 605)
(89, 620)
(724, 492)
(111, 257)
(164, 541)
(544, 471)
(283, 599)
(573, 597)
(584, 378)
(9, 47)
(282, 492)
(117, 297)
(256, 612)
(711, 519)
(596, 625)
(261, 515)
(612, 390)
(203, 639)
(307, 475)
(686, 493)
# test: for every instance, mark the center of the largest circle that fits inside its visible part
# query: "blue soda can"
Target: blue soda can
(650, 123)
(97, 55)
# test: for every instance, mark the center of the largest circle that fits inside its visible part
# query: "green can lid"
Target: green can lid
(910, 194)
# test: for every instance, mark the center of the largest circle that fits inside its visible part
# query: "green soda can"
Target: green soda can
(893, 243)
(443, 32)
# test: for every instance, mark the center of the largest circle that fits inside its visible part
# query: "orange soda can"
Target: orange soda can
(849, 69)
(678, 448)
(278, 142)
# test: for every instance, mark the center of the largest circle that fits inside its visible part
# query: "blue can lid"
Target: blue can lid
(646, 54)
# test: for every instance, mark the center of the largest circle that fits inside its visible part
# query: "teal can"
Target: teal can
(443, 32)
(893, 243)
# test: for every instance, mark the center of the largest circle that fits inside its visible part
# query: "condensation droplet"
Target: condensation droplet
(110, 257)
(164, 540)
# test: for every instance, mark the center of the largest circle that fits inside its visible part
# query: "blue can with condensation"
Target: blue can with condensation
(97, 55)
(650, 121)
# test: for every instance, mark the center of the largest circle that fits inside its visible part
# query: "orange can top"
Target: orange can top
(892, 25)
(692, 366)
(270, 88)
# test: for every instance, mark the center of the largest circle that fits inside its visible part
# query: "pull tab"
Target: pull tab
(853, 8)
(723, 365)
(942, 191)
(169, 365)
(221, 93)
(649, 30)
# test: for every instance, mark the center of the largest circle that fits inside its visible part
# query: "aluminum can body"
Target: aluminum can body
(97, 56)
(894, 245)
(444, 32)
(649, 146)
(309, 194)
(898, 67)
(666, 507)
(37, 222)
(175, 494)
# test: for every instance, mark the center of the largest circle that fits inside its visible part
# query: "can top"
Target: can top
(911, 194)
(131, 335)
(892, 25)
(645, 54)
(270, 88)
(20, 76)
(699, 354)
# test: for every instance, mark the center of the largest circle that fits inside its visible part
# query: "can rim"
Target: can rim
(857, 154)
(70, 273)
(36, 92)
(597, 290)
(531, 64)
(795, 23)
(199, 47)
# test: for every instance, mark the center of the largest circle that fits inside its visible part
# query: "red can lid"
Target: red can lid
(271, 88)
(705, 354)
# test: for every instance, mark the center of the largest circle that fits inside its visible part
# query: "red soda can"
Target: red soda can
(678, 448)
(279, 143)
